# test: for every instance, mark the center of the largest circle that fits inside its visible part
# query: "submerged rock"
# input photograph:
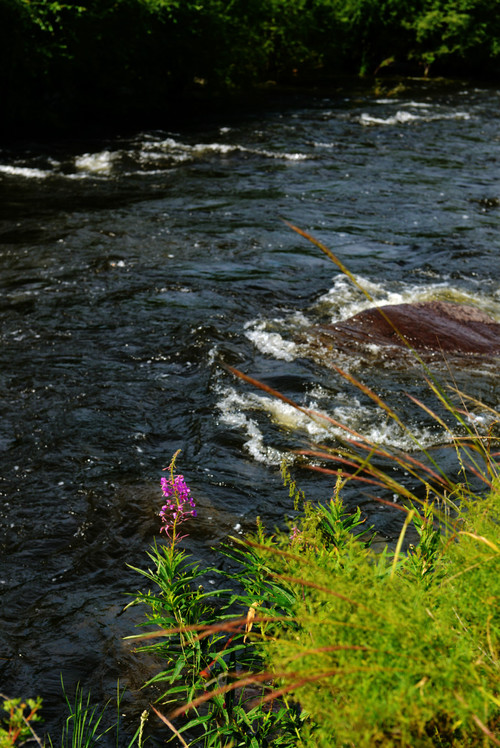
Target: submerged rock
(427, 326)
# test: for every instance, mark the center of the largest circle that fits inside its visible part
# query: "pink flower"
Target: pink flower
(179, 505)
(294, 534)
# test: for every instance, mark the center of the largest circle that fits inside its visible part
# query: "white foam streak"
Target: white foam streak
(402, 117)
(267, 335)
(24, 171)
(345, 300)
(416, 104)
(179, 151)
(232, 407)
(96, 163)
(380, 431)
(272, 343)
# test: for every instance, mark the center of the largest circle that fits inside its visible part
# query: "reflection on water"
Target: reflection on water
(130, 268)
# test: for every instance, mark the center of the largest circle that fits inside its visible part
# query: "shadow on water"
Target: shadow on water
(130, 268)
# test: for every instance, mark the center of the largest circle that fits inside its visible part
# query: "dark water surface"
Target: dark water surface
(129, 268)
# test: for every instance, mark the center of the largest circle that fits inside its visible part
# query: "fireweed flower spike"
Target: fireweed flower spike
(294, 534)
(179, 505)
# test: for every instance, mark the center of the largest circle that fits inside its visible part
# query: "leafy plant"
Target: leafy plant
(350, 648)
(17, 726)
(207, 639)
(87, 724)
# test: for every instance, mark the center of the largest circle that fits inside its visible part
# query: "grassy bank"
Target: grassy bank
(313, 639)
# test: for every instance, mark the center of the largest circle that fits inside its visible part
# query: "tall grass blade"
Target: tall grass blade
(170, 726)
(399, 544)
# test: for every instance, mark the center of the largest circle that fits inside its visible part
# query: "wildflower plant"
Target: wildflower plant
(209, 643)
(179, 505)
(320, 642)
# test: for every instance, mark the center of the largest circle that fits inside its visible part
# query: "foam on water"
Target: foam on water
(416, 104)
(270, 342)
(145, 155)
(178, 151)
(86, 165)
(410, 112)
(24, 171)
(236, 411)
(233, 407)
(403, 117)
(96, 163)
(153, 153)
(277, 337)
(345, 300)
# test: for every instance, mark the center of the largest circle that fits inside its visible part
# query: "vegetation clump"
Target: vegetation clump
(16, 720)
(318, 641)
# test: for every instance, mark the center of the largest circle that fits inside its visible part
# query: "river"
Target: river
(131, 266)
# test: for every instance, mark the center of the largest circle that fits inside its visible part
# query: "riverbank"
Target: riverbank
(64, 66)
(203, 108)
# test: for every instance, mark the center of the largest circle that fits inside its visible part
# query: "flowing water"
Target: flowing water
(131, 267)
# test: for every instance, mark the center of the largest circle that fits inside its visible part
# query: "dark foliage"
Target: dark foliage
(137, 60)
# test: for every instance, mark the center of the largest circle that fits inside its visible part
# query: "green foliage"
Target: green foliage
(210, 660)
(387, 650)
(383, 659)
(138, 57)
(16, 727)
(464, 34)
(82, 726)
(87, 725)
(422, 560)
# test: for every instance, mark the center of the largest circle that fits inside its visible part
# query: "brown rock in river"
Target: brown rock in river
(427, 326)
